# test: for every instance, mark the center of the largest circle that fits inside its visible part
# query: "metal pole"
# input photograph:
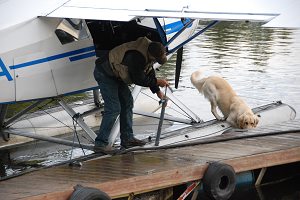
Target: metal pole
(96, 95)
(53, 139)
(162, 114)
(79, 120)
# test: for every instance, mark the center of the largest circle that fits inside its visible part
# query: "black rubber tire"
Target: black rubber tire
(219, 181)
(88, 193)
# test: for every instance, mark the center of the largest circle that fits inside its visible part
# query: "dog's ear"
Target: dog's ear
(240, 121)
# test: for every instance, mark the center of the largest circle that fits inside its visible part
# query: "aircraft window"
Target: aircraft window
(71, 30)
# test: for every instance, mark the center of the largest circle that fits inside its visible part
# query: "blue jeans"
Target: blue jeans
(117, 101)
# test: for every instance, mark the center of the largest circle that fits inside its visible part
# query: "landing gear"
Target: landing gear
(96, 95)
(3, 110)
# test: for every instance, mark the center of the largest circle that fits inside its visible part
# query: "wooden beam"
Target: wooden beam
(169, 178)
(262, 160)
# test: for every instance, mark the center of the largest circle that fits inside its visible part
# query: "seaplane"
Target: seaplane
(48, 51)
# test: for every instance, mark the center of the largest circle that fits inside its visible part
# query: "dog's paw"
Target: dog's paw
(222, 119)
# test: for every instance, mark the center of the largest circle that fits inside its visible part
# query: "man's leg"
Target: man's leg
(126, 101)
(126, 115)
(109, 92)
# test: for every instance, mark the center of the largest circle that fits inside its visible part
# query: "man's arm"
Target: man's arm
(136, 64)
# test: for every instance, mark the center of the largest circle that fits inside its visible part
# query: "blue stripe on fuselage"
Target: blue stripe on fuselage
(82, 56)
(51, 58)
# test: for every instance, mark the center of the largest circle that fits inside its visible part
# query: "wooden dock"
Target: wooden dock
(139, 172)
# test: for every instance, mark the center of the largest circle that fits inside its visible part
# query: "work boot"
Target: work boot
(105, 149)
(133, 143)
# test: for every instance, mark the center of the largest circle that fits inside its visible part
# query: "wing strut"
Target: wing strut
(178, 66)
(161, 31)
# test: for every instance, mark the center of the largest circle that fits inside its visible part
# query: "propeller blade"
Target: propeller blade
(178, 65)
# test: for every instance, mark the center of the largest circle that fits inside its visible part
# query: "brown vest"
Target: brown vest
(116, 56)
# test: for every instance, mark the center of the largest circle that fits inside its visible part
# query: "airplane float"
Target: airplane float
(48, 48)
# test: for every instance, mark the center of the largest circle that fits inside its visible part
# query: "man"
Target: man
(128, 63)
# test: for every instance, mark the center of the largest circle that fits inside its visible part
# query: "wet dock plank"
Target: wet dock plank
(138, 172)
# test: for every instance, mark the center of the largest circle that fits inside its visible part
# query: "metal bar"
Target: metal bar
(157, 116)
(52, 139)
(184, 108)
(162, 113)
(192, 37)
(21, 113)
(79, 120)
(161, 31)
(178, 66)
(260, 176)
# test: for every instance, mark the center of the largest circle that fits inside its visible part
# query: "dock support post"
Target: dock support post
(260, 176)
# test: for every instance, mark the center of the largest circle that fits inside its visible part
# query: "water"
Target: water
(261, 64)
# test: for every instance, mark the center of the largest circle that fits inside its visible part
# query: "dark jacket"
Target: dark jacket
(135, 62)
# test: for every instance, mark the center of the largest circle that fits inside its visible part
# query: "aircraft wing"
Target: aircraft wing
(279, 13)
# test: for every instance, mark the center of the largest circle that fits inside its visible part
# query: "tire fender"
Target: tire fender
(219, 181)
(88, 193)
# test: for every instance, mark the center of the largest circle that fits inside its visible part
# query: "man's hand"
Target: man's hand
(160, 95)
(162, 82)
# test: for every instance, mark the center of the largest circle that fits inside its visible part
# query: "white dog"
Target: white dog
(220, 94)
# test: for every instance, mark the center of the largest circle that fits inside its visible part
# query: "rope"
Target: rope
(57, 119)
(74, 120)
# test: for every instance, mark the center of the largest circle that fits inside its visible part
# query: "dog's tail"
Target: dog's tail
(197, 80)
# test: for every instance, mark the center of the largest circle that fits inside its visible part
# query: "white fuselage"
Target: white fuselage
(35, 63)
